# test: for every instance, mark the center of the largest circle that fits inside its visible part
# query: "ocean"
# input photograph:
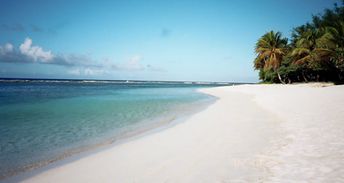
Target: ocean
(42, 121)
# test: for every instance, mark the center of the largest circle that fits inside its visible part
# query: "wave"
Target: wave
(79, 81)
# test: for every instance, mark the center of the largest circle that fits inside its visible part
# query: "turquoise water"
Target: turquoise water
(42, 121)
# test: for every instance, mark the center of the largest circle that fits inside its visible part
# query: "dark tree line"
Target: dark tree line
(315, 51)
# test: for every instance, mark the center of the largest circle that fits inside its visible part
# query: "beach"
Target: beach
(252, 133)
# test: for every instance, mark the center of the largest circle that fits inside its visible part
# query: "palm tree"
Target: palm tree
(270, 49)
(337, 46)
(312, 49)
(337, 33)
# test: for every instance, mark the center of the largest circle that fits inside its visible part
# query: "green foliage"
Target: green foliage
(315, 51)
(268, 76)
(289, 72)
(270, 50)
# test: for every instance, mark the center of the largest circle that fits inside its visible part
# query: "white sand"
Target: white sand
(313, 118)
(253, 133)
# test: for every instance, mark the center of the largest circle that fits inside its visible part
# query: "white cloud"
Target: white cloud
(35, 52)
(28, 53)
(7, 48)
(94, 71)
(78, 64)
(75, 71)
(87, 71)
(134, 63)
(156, 69)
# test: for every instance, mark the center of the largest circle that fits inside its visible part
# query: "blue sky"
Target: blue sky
(147, 40)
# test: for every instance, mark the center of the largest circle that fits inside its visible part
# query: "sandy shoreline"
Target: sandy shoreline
(252, 133)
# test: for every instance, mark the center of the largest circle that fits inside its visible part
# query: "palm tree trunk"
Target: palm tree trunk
(304, 77)
(280, 78)
(289, 80)
(339, 75)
